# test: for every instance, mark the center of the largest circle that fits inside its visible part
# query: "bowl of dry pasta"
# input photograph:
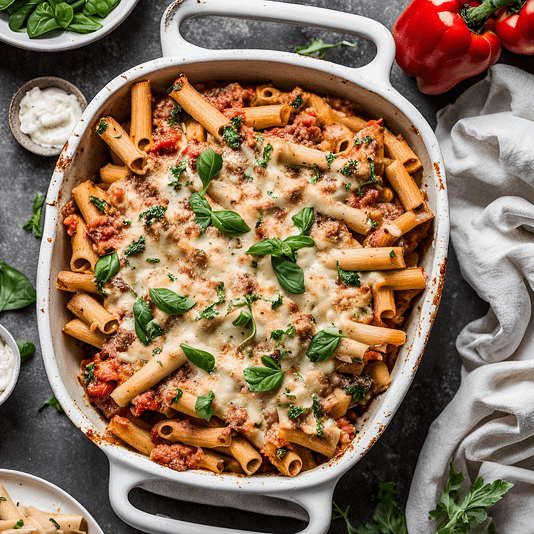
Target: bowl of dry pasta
(238, 277)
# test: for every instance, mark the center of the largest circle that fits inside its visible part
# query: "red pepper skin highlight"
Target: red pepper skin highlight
(516, 31)
(435, 45)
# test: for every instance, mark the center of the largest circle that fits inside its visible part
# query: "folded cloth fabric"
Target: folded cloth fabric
(487, 430)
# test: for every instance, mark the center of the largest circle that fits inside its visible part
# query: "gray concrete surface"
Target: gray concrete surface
(46, 443)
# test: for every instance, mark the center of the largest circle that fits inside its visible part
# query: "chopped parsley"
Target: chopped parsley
(153, 214)
(179, 394)
(54, 522)
(135, 247)
(280, 453)
(317, 413)
(277, 301)
(231, 132)
(3, 499)
(366, 139)
(174, 87)
(89, 373)
(157, 350)
(18, 524)
(176, 172)
(372, 177)
(349, 168)
(373, 224)
(210, 312)
(175, 115)
(358, 392)
(288, 394)
(330, 159)
(153, 260)
(254, 264)
(99, 203)
(348, 277)
(290, 332)
(392, 254)
(266, 156)
(159, 361)
(126, 221)
(102, 127)
(295, 411)
(347, 186)
(172, 277)
(317, 174)
(259, 221)
(297, 102)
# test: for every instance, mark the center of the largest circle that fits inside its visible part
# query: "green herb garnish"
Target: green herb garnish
(317, 48)
(34, 223)
(348, 277)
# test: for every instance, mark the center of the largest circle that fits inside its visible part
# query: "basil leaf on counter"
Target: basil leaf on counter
(16, 290)
(200, 358)
(209, 163)
(169, 301)
(203, 406)
(145, 328)
(52, 401)
(264, 378)
(34, 223)
(303, 220)
(106, 267)
(289, 275)
(26, 349)
(323, 344)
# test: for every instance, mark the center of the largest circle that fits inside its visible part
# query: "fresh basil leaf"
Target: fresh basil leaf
(263, 378)
(145, 327)
(178, 396)
(135, 247)
(83, 24)
(170, 302)
(153, 214)
(289, 275)
(106, 267)
(200, 358)
(201, 209)
(100, 8)
(26, 349)
(64, 14)
(203, 406)
(303, 220)
(4, 4)
(348, 277)
(34, 223)
(266, 246)
(209, 163)
(270, 362)
(52, 401)
(244, 318)
(42, 20)
(16, 290)
(323, 345)
(297, 242)
(17, 19)
(229, 222)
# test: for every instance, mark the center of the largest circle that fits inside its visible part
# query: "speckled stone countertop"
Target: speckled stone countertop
(46, 443)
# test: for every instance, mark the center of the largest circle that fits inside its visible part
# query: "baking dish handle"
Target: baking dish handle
(173, 43)
(123, 478)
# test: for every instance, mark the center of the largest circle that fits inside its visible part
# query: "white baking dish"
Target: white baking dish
(82, 157)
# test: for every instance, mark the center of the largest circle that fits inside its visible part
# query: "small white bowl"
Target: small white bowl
(10, 342)
(14, 109)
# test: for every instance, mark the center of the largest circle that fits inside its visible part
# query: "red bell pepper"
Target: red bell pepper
(515, 27)
(442, 42)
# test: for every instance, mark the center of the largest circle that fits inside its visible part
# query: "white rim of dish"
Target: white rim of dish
(66, 40)
(12, 344)
(25, 483)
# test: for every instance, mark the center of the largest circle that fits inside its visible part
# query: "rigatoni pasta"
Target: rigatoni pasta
(252, 273)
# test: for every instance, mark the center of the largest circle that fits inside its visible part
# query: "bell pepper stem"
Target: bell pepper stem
(475, 17)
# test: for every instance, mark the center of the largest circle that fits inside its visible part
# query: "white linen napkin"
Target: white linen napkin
(487, 430)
